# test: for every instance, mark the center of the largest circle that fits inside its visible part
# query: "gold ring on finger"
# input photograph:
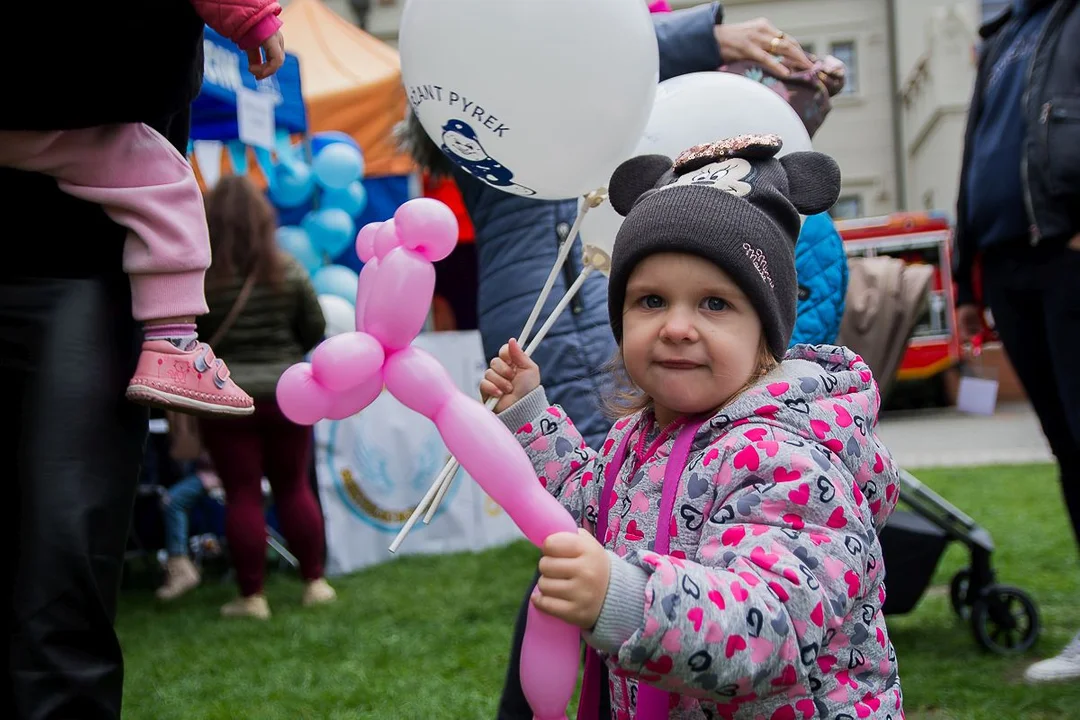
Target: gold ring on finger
(775, 43)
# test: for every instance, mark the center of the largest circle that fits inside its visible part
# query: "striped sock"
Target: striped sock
(182, 335)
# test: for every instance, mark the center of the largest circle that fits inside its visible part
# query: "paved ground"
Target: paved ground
(940, 438)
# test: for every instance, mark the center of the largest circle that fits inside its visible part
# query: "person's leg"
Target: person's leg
(235, 450)
(286, 449)
(512, 703)
(176, 504)
(181, 573)
(1016, 286)
(1013, 288)
(1055, 363)
(68, 345)
(1063, 334)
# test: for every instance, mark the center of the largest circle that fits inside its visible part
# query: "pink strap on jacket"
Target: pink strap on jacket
(248, 23)
(652, 703)
(659, 6)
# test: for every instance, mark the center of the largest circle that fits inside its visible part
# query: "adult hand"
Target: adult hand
(969, 321)
(761, 42)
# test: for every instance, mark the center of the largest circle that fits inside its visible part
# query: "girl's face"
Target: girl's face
(691, 338)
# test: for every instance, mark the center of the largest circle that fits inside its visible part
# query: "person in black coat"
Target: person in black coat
(68, 345)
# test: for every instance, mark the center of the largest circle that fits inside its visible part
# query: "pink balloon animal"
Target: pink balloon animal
(347, 372)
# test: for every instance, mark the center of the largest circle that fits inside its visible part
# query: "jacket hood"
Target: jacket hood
(413, 139)
(828, 395)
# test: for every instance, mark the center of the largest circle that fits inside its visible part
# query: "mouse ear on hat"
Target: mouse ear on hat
(813, 181)
(634, 178)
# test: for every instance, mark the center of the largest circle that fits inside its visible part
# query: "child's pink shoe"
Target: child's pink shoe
(190, 381)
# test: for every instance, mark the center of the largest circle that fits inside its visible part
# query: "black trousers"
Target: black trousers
(1034, 297)
(71, 447)
(512, 704)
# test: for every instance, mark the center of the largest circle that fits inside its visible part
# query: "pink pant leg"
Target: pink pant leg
(143, 184)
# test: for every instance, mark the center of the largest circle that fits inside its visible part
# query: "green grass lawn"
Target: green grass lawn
(428, 638)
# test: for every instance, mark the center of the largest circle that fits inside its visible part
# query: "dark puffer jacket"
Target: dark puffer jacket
(517, 240)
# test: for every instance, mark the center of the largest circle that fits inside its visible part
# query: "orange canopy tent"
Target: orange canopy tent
(351, 81)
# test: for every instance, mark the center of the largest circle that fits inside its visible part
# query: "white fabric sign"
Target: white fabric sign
(255, 118)
(374, 467)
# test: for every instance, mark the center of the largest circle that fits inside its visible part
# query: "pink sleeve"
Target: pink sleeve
(248, 23)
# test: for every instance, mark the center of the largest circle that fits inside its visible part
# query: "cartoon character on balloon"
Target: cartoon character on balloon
(460, 144)
(348, 371)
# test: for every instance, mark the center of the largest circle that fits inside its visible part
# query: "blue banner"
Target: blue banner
(225, 70)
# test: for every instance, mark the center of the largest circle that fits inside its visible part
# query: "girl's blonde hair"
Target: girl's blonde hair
(626, 398)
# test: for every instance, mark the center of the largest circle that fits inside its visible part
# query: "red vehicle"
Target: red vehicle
(917, 237)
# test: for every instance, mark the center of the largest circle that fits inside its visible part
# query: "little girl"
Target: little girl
(736, 570)
(144, 184)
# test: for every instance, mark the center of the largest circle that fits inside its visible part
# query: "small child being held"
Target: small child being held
(144, 184)
(728, 564)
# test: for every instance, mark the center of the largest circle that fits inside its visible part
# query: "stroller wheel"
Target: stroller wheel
(958, 593)
(1005, 620)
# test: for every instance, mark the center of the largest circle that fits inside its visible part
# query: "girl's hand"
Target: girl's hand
(274, 48)
(573, 578)
(512, 376)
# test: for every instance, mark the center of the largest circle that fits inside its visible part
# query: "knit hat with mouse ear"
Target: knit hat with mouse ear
(732, 202)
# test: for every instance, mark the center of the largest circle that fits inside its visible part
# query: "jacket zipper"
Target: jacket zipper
(1036, 232)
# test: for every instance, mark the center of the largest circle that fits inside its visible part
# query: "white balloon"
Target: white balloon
(540, 98)
(698, 108)
(339, 313)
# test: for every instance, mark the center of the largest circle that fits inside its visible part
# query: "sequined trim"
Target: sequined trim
(742, 146)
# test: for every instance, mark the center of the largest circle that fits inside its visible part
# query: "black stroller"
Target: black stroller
(886, 300)
(1004, 619)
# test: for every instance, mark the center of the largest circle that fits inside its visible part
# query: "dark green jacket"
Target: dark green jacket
(276, 328)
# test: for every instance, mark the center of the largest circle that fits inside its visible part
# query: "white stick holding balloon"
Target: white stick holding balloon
(447, 475)
(446, 478)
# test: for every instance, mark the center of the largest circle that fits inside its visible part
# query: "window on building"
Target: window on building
(847, 207)
(845, 53)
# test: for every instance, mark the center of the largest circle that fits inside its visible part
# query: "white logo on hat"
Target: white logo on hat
(761, 264)
(727, 175)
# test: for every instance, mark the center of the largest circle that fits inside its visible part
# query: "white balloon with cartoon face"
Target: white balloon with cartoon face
(527, 97)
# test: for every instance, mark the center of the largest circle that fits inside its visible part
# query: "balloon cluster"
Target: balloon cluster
(327, 196)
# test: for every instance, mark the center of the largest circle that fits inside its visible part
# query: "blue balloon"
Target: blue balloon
(297, 243)
(336, 280)
(352, 199)
(338, 165)
(328, 137)
(332, 230)
(292, 184)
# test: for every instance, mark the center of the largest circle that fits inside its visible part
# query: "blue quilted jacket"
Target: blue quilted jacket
(822, 269)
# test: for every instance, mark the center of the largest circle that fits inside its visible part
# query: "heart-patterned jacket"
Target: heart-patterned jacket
(768, 604)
